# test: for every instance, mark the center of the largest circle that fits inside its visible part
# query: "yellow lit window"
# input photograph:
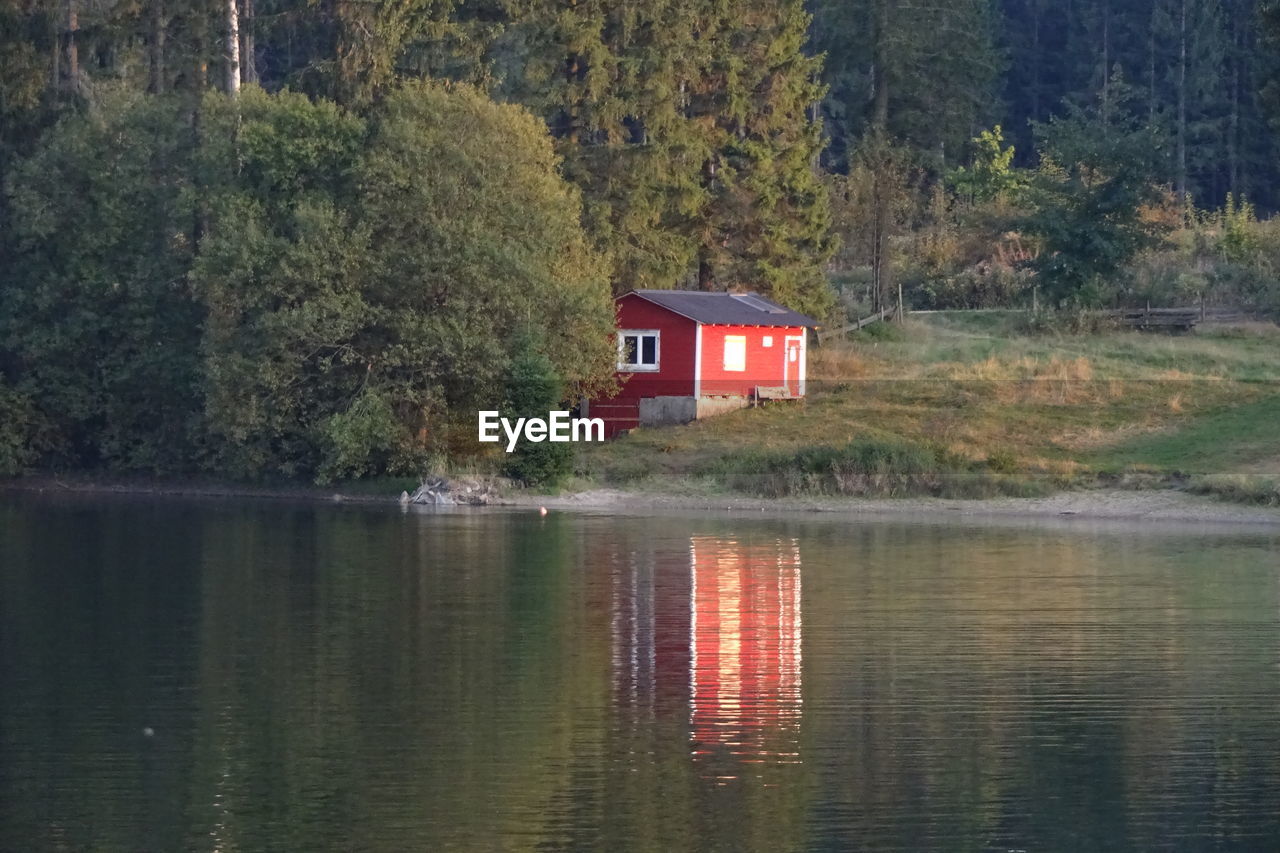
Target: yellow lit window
(735, 353)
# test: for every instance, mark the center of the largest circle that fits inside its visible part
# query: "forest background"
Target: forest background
(295, 238)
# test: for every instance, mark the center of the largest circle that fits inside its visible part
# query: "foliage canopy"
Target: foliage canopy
(1095, 177)
(302, 291)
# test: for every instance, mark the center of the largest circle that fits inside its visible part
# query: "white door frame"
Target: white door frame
(786, 363)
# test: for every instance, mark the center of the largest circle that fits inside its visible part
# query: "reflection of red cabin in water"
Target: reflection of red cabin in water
(712, 632)
(687, 354)
(745, 656)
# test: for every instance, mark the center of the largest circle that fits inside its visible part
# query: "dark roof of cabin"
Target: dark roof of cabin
(726, 309)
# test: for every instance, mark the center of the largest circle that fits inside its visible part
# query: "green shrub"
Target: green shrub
(1164, 278)
(1252, 287)
(983, 285)
(17, 430)
(1239, 240)
(1067, 321)
(394, 252)
(533, 389)
(1003, 461)
(882, 331)
(360, 441)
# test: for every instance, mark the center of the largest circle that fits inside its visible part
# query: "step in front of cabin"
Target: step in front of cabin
(775, 392)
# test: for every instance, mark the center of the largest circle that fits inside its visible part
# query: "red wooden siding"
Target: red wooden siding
(678, 362)
(676, 346)
(764, 364)
(674, 377)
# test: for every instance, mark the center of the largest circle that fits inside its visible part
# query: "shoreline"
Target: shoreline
(47, 484)
(1162, 506)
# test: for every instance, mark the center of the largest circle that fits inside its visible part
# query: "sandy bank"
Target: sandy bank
(1104, 505)
(1164, 506)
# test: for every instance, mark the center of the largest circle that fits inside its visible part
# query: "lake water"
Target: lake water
(187, 675)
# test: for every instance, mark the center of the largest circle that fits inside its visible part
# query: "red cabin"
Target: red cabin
(688, 354)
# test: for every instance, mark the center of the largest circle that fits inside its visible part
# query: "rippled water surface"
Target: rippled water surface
(217, 676)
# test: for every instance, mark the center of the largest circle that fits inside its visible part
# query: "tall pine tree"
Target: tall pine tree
(927, 74)
(689, 126)
(767, 222)
(611, 80)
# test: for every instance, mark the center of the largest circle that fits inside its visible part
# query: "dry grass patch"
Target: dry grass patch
(1053, 409)
(1240, 488)
(837, 364)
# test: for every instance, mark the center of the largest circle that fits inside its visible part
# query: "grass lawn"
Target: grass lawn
(991, 403)
(1236, 438)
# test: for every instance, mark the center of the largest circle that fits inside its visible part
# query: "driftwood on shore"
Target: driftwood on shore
(461, 491)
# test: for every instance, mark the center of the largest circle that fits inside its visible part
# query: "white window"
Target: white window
(768, 340)
(735, 353)
(637, 350)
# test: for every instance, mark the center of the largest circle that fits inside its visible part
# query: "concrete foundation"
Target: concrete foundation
(711, 406)
(663, 411)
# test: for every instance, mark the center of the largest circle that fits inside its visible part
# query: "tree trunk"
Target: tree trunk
(1036, 60)
(200, 219)
(72, 48)
(233, 48)
(880, 273)
(880, 160)
(706, 279)
(55, 62)
(248, 63)
(157, 83)
(1106, 64)
(1151, 69)
(706, 269)
(880, 66)
(879, 153)
(1182, 104)
(1233, 129)
(200, 47)
(199, 34)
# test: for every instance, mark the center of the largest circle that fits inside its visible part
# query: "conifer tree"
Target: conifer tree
(1189, 87)
(926, 73)
(767, 222)
(611, 80)
(688, 125)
